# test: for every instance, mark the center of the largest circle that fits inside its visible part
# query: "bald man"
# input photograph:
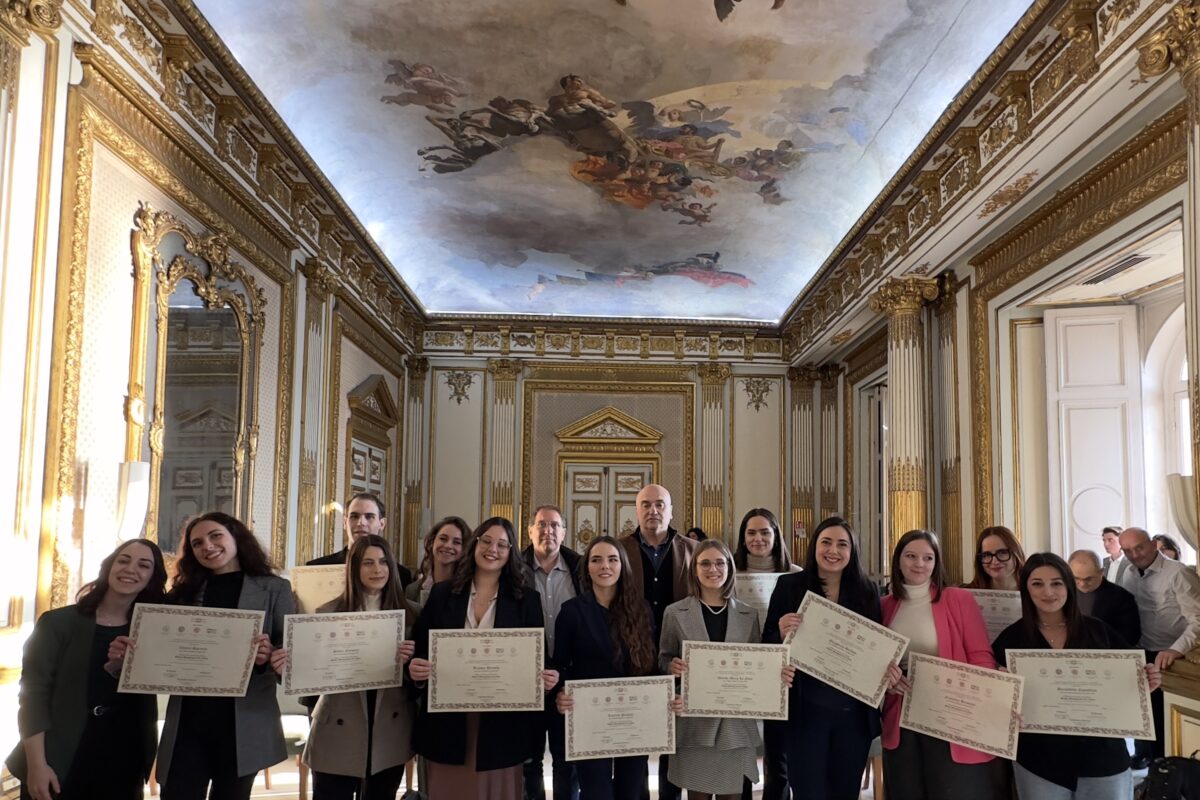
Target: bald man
(1101, 598)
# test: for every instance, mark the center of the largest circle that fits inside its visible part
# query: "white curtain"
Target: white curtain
(1181, 491)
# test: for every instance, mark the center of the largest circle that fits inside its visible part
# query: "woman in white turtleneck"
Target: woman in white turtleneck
(946, 622)
(361, 738)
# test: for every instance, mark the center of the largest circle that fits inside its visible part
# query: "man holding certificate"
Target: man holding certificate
(1081, 699)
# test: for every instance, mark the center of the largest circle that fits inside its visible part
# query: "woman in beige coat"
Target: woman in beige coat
(359, 741)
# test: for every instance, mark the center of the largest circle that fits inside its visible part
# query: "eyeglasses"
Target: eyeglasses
(1003, 556)
(541, 526)
(499, 544)
(719, 564)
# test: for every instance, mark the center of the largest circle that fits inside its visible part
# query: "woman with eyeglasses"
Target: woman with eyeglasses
(946, 622)
(443, 549)
(714, 757)
(828, 733)
(1054, 767)
(478, 755)
(998, 559)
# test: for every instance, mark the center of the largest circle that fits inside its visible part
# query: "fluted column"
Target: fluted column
(713, 379)
(414, 427)
(504, 372)
(803, 489)
(830, 375)
(319, 285)
(903, 301)
(948, 451)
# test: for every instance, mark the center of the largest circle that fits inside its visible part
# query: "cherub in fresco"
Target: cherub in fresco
(664, 123)
(696, 213)
(425, 86)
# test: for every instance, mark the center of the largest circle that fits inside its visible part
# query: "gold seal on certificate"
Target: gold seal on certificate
(347, 652)
(618, 717)
(963, 704)
(316, 586)
(1000, 607)
(843, 649)
(190, 651)
(734, 680)
(1084, 692)
(754, 588)
(488, 670)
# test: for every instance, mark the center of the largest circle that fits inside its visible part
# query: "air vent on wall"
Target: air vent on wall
(1116, 269)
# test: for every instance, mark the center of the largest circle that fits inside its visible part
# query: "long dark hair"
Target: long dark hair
(937, 577)
(392, 596)
(190, 574)
(90, 595)
(855, 584)
(512, 577)
(628, 615)
(426, 568)
(783, 563)
(1071, 613)
(982, 579)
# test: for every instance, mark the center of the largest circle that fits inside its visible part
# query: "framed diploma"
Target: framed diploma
(489, 670)
(734, 680)
(754, 589)
(620, 717)
(190, 651)
(1084, 692)
(843, 649)
(963, 704)
(1000, 608)
(349, 652)
(316, 586)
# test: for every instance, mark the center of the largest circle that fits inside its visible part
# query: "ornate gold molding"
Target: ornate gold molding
(907, 295)
(1175, 43)
(283, 427)
(320, 281)
(19, 18)
(334, 400)
(713, 374)
(504, 369)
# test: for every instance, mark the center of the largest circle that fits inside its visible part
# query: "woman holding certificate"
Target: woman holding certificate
(478, 754)
(443, 549)
(605, 632)
(828, 733)
(1063, 767)
(80, 739)
(223, 742)
(945, 622)
(359, 742)
(998, 559)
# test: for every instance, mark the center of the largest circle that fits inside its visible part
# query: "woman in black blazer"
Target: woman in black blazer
(478, 755)
(80, 739)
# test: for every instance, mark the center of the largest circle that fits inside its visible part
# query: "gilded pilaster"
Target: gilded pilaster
(948, 455)
(713, 377)
(418, 369)
(903, 301)
(803, 489)
(830, 375)
(504, 373)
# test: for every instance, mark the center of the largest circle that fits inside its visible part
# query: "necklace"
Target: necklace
(1052, 624)
(712, 611)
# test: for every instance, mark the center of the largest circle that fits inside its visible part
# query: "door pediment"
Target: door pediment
(608, 429)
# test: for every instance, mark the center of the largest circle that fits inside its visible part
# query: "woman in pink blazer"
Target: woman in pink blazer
(946, 622)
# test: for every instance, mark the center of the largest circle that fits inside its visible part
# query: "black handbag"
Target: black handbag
(1173, 778)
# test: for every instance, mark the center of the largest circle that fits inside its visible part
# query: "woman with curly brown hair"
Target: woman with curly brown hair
(606, 632)
(998, 559)
(443, 549)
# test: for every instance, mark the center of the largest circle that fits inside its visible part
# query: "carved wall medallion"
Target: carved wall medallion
(459, 382)
(756, 390)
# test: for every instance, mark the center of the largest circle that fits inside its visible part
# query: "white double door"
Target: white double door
(602, 499)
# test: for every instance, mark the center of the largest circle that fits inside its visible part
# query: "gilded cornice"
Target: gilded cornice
(19, 18)
(899, 296)
(609, 372)
(868, 357)
(1175, 43)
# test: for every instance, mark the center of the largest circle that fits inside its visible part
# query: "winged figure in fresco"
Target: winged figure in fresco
(422, 85)
(725, 7)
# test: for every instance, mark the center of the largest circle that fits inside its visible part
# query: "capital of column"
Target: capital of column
(19, 17)
(505, 369)
(418, 368)
(801, 375)
(322, 281)
(713, 374)
(829, 373)
(1175, 43)
(897, 296)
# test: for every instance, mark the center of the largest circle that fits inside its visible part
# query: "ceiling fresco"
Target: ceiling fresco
(635, 158)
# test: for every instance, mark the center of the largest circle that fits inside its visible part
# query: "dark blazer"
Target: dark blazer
(505, 738)
(258, 730)
(1116, 606)
(54, 689)
(583, 644)
(402, 572)
(570, 559)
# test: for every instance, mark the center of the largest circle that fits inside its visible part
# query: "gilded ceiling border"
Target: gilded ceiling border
(1151, 164)
(600, 383)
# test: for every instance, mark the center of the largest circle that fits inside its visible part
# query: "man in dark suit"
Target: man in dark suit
(364, 514)
(555, 574)
(1103, 599)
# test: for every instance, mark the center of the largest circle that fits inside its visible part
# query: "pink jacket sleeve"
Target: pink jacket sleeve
(968, 618)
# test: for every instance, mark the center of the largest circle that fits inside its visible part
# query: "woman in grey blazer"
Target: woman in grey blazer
(359, 741)
(713, 756)
(223, 741)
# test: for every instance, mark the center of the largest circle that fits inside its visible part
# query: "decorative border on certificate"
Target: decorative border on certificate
(142, 610)
(900, 642)
(289, 622)
(760, 596)
(915, 660)
(309, 579)
(658, 682)
(692, 649)
(989, 602)
(1092, 657)
(539, 634)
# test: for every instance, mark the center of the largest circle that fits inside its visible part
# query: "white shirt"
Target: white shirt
(1116, 566)
(1168, 599)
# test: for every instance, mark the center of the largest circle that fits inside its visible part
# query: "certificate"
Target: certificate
(1084, 692)
(754, 588)
(190, 651)
(735, 680)
(619, 717)
(316, 586)
(963, 704)
(1000, 608)
(348, 652)
(489, 670)
(843, 649)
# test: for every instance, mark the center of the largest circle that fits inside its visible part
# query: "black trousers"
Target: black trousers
(775, 771)
(383, 785)
(566, 781)
(921, 767)
(1157, 748)
(108, 763)
(611, 778)
(827, 751)
(205, 756)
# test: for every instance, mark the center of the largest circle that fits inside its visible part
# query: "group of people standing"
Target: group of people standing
(621, 608)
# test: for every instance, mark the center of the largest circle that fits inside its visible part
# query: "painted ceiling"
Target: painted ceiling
(635, 158)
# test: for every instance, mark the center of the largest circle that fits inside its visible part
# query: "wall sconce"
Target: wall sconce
(133, 498)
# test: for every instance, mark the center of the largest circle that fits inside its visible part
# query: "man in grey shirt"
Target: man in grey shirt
(555, 572)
